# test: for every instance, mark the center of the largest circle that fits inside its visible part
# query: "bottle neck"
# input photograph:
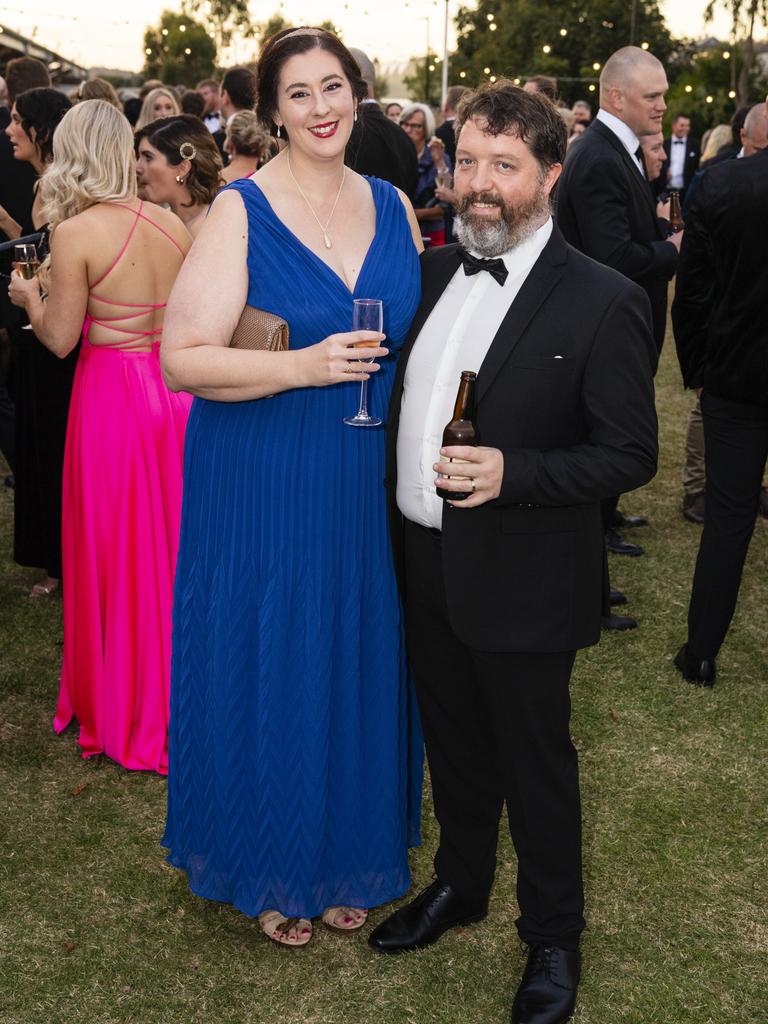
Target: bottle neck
(464, 408)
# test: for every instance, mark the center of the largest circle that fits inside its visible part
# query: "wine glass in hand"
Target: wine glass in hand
(367, 315)
(25, 260)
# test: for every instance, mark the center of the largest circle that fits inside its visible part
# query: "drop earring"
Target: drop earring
(179, 179)
(277, 133)
(355, 114)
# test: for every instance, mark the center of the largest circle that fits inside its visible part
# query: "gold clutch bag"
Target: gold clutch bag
(260, 331)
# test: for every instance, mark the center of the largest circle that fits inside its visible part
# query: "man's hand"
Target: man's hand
(484, 468)
(676, 239)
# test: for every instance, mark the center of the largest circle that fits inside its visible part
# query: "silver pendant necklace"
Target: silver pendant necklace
(326, 238)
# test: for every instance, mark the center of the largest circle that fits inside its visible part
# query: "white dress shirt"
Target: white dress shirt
(212, 122)
(625, 135)
(677, 149)
(455, 337)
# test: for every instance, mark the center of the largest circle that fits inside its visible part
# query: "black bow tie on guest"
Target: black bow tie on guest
(474, 264)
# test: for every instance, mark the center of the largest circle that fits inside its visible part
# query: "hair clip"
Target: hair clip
(187, 151)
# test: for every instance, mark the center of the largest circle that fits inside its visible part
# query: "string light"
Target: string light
(182, 28)
(493, 26)
(462, 74)
(726, 54)
(596, 65)
(187, 50)
(491, 17)
(563, 31)
(644, 46)
(689, 88)
(148, 52)
(486, 71)
(517, 81)
(165, 32)
(732, 95)
(592, 87)
(710, 99)
(546, 48)
(493, 78)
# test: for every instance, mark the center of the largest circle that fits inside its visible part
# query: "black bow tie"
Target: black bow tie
(474, 264)
(679, 142)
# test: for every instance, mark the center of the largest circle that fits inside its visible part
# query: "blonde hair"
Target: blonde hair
(246, 136)
(147, 114)
(97, 89)
(92, 162)
(720, 135)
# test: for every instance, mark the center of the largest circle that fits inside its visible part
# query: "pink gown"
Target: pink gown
(120, 527)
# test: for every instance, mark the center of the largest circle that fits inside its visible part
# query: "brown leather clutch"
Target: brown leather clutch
(260, 331)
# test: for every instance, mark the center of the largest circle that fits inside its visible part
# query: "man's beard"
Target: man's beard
(514, 225)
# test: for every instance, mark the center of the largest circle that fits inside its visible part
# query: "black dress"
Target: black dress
(41, 386)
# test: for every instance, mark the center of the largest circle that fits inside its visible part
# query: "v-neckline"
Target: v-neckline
(312, 253)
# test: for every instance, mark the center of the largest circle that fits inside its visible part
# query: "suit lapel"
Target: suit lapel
(640, 182)
(545, 274)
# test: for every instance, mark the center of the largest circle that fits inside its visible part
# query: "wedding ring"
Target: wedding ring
(472, 481)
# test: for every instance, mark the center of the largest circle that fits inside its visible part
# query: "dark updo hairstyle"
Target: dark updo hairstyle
(288, 43)
(171, 135)
(42, 109)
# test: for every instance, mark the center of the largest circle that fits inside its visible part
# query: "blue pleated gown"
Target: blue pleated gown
(295, 753)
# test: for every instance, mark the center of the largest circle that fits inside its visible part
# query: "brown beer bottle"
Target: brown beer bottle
(461, 429)
(675, 216)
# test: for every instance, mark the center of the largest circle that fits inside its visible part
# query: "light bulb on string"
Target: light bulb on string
(493, 26)
(546, 48)
(689, 88)
(726, 54)
(563, 31)
(592, 87)
(644, 46)
(732, 95)
(596, 66)
(710, 99)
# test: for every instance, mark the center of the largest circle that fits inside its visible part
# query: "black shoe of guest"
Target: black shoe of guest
(700, 671)
(618, 546)
(547, 993)
(617, 598)
(618, 622)
(693, 508)
(620, 521)
(422, 921)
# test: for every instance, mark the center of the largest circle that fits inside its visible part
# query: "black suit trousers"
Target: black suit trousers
(496, 732)
(735, 450)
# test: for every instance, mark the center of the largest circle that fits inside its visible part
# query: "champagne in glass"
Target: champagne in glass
(443, 178)
(25, 258)
(367, 315)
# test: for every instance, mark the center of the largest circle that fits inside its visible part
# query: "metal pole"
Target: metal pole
(444, 81)
(426, 66)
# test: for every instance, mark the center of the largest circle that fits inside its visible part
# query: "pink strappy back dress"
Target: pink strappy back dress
(120, 526)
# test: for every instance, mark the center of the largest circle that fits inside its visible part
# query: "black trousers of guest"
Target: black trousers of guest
(496, 732)
(735, 450)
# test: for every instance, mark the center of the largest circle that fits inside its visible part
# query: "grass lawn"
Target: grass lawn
(96, 928)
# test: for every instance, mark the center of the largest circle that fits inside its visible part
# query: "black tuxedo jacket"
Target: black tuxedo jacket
(720, 312)
(447, 135)
(606, 209)
(525, 572)
(380, 148)
(691, 165)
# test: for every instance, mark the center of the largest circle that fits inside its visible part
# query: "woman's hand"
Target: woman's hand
(8, 225)
(22, 292)
(336, 359)
(446, 195)
(437, 151)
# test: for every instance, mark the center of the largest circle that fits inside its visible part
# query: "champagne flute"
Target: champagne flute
(26, 260)
(367, 315)
(443, 179)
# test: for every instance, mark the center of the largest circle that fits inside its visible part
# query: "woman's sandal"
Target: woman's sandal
(344, 919)
(279, 928)
(43, 589)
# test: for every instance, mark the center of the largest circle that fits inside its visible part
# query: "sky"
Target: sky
(87, 32)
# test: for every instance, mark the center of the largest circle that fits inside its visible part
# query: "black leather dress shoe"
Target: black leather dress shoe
(700, 671)
(436, 909)
(620, 521)
(547, 993)
(693, 508)
(618, 622)
(617, 598)
(618, 546)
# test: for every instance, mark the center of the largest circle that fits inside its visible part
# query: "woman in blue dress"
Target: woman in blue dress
(295, 755)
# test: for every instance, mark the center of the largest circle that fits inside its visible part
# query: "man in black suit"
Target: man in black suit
(238, 92)
(447, 130)
(605, 208)
(720, 319)
(377, 146)
(683, 155)
(501, 588)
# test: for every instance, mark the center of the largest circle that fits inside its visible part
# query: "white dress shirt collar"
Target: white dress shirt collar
(624, 133)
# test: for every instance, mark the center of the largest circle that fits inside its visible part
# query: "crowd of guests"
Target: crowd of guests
(234, 614)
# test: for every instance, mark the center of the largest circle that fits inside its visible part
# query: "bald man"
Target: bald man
(754, 134)
(606, 208)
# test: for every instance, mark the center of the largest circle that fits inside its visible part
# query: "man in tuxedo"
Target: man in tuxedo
(683, 155)
(605, 208)
(720, 319)
(238, 92)
(446, 132)
(378, 146)
(503, 586)
(209, 90)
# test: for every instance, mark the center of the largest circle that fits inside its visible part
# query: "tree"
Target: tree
(424, 84)
(744, 14)
(567, 39)
(277, 23)
(224, 19)
(178, 50)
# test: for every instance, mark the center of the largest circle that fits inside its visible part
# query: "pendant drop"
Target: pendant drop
(327, 241)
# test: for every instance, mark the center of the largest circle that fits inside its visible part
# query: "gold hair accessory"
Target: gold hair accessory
(187, 151)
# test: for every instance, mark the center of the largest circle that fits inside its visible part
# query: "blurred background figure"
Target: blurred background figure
(177, 163)
(543, 84)
(210, 94)
(446, 132)
(582, 112)
(238, 92)
(247, 144)
(97, 89)
(378, 147)
(434, 169)
(393, 111)
(41, 382)
(654, 155)
(112, 266)
(683, 153)
(132, 109)
(192, 102)
(718, 138)
(160, 102)
(148, 86)
(754, 135)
